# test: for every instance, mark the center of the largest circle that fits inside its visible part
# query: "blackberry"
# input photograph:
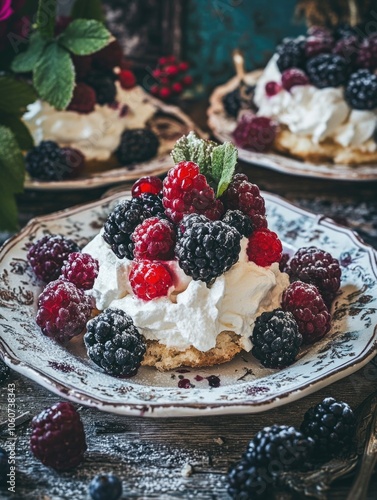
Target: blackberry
(246, 482)
(137, 145)
(327, 70)
(153, 203)
(207, 249)
(103, 86)
(276, 339)
(120, 225)
(105, 487)
(4, 371)
(49, 162)
(344, 30)
(238, 220)
(114, 343)
(4, 467)
(291, 53)
(239, 98)
(331, 424)
(361, 90)
(188, 221)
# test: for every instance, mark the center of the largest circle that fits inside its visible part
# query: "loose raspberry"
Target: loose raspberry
(293, 77)
(264, 247)
(367, 56)
(149, 184)
(244, 196)
(154, 239)
(317, 267)
(63, 310)
(256, 133)
(317, 44)
(127, 79)
(272, 88)
(58, 438)
(81, 269)
(48, 254)
(186, 191)
(109, 57)
(307, 306)
(83, 99)
(150, 280)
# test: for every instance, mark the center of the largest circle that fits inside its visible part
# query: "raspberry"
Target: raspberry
(347, 48)
(83, 99)
(4, 467)
(82, 64)
(244, 196)
(137, 145)
(276, 339)
(164, 93)
(293, 77)
(58, 438)
(238, 220)
(63, 310)
(256, 133)
(105, 487)
(154, 239)
(367, 56)
(264, 247)
(309, 310)
(185, 190)
(149, 184)
(150, 280)
(328, 70)
(109, 57)
(47, 256)
(207, 249)
(103, 86)
(316, 45)
(177, 88)
(272, 88)
(317, 267)
(172, 70)
(114, 343)
(81, 269)
(361, 90)
(127, 79)
(4, 371)
(291, 53)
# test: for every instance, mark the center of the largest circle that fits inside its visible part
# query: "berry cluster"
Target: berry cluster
(172, 78)
(327, 430)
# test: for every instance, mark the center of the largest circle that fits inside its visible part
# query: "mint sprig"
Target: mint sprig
(216, 162)
(84, 36)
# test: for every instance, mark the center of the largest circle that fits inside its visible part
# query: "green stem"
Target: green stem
(46, 17)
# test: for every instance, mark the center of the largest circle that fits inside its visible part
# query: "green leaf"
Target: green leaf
(46, 14)
(19, 129)
(15, 95)
(224, 160)
(8, 209)
(88, 9)
(54, 76)
(85, 36)
(192, 148)
(25, 61)
(12, 162)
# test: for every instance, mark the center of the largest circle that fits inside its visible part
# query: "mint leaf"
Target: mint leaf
(191, 148)
(224, 160)
(88, 9)
(11, 160)
(15, 95)
(85, 36)
(25, 61)
(19, 129)
(54, 76)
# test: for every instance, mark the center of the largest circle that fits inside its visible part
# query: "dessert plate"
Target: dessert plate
(241, 386)
(222, 127)
(169, 123)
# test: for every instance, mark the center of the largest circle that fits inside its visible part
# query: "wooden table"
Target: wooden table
(150, 455)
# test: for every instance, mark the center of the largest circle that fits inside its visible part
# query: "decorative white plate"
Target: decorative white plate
(246, 387)
(222, 127)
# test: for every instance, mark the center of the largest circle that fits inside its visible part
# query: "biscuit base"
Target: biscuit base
(168, 358)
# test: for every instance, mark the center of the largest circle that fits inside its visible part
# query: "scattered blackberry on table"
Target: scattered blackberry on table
(49, 162)
(332, 425)
(293, 77)
(317, 267)
(276, 339)
(318, 44)
(237, 98)
(63, 310)
(154, 239)
(47, 256)
(244, 196)
(58, 438)
(367, 56)
(147, 185)
(245, 482)
(291, 53)
(105, 487)
(103, 86)
(153, 203)
(238, 220)
(114, 343)
(4, 371)
(256, 133)
(137, 145)
(186, 190)
(150, 280)
(207, 249)
(361, 90)
(328, 70)
(264, 247)
(83, 100)
(120, 225)
(4, 467)
(81, 269)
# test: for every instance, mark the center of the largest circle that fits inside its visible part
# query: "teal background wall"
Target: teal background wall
(213, 29)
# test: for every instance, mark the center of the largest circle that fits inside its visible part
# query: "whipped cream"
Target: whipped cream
(96, 134)
(192, 314)
(316, 113)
